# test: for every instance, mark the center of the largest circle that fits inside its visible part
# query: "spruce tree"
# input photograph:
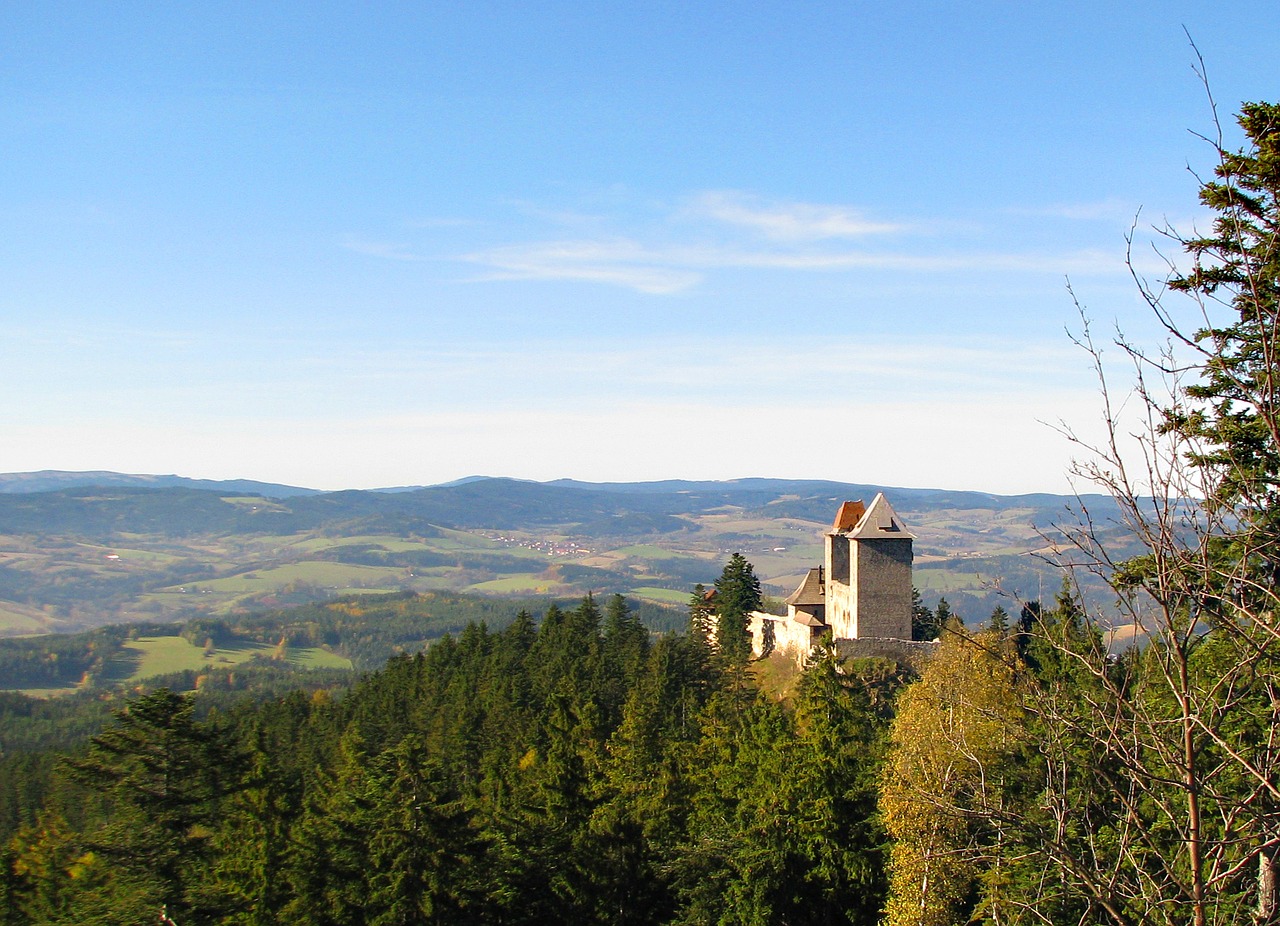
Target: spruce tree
(164, 774)
(737, 595)
(924, 626)
(1235, 405)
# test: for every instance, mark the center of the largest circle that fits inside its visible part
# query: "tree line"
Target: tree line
(572, 767)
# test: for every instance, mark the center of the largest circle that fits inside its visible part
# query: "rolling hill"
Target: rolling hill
(94, 551)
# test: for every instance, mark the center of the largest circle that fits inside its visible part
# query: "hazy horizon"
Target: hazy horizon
(395, 245)
(560, 479)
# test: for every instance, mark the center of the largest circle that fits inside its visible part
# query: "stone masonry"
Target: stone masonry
(862, 592)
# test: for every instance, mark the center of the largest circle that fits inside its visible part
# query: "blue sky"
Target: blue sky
(357, 245)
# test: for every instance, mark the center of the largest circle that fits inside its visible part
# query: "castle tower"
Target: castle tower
(868, 572)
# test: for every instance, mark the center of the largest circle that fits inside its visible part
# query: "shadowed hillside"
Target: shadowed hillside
(81, 556)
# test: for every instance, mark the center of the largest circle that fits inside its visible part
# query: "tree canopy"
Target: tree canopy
(737, 595)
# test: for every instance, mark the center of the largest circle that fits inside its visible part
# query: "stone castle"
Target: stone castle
(861, 594)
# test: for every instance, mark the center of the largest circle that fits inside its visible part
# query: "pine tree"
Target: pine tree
(252, 844)
(164, 774)
(998, 623)
(625, 649)
(701, 612)
(1236, 403)
(840, 743)
(942, 616)
(924, 625)
(737, 595)
(626, 641)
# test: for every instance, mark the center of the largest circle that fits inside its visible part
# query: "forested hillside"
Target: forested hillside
(357, 633)
(579, 768)
(83, 556)
(572, 768)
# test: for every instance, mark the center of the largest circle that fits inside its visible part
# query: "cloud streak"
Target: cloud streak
(670, 270)
(387, 250)
(673, 250)
(786, 221)
(618, 262)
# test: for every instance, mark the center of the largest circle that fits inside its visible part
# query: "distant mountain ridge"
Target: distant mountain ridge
(51, 480)
(80, 549)
(666, 512)
(773, 487)
(501, 501)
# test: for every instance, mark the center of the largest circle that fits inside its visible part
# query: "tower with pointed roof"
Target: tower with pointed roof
(861, 592)
(868, 572)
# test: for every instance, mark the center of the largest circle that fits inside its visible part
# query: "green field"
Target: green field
(315, 657)
(128, 556)
(514, 584)
(14, 620)
(387, 542)
(461, 540)
(651, 551)
(662, 595)
(954, 579)
(147, 657)
(325, 574)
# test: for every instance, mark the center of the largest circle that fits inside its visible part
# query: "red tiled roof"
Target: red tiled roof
(849, 515)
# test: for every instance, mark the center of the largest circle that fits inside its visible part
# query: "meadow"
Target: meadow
(166, 556)
(147, 657)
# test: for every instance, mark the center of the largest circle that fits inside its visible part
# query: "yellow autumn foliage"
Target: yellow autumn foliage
(954, 733)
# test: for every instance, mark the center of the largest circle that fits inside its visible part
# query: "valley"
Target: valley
(78, 557)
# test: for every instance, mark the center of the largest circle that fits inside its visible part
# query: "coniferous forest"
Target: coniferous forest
(1041, 768)
(580, 768)
(570, 768)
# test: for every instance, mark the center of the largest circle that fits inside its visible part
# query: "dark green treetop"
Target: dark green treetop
(737, 595)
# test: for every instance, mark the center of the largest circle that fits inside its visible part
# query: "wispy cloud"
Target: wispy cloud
(672, 269)
(1106, 210)
(387, 250)
(727, 230)
(617, 262)
(786, 221)
(1085, 261)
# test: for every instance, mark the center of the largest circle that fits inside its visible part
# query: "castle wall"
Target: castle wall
(882, 577)
(773, 634)
(912, 653)
(840, 606)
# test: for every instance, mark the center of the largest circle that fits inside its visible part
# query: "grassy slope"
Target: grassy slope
(125, 571)
(147, 657)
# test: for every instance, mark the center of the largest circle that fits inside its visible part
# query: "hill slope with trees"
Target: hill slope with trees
(78, 557)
